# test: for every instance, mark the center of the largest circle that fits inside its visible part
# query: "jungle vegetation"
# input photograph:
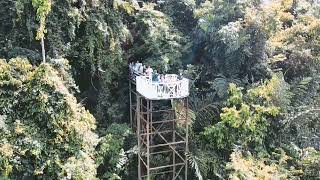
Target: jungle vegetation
(254, 67)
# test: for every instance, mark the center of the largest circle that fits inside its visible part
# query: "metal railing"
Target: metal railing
(162, 90)
(170, 87)
(133, 74)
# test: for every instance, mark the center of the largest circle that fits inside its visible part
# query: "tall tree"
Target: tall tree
(42, 7)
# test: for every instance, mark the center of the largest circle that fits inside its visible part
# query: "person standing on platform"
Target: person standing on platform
(135, 67)
(162, 78)
(144, 69)
(180, 76)
(141, 70)
(149, 72)
(155, 76)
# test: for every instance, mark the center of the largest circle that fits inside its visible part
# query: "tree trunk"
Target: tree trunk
(43, 50)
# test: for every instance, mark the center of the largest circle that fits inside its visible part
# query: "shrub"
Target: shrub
(245, 119)
(44, 132)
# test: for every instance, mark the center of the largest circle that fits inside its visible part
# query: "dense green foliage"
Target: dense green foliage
(111, 157)
(243, 122)
(44, 131)
(255, 86)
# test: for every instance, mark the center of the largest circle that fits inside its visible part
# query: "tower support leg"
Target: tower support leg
(139, 137)
(159, 135)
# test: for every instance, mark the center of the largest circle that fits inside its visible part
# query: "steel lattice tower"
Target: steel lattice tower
(162, 133)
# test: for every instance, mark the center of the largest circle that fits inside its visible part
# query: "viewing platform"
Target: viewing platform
(161, 128)
(156, 86)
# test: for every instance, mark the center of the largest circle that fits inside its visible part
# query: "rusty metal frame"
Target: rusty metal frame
(147, 128)
(172, 142)
(133, 105)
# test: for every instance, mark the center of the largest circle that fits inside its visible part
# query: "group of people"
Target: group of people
(167, 85)
(140, 69)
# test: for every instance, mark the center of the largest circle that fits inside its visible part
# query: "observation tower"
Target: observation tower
(161, 127)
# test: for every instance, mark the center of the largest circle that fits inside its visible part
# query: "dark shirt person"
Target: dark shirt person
(180, 77)
(155, 76)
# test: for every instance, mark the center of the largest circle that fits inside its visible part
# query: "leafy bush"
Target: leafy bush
(157, 42)
(44, 132)
(110, 156)
(245, 120)
(294, 47)
(249, 168)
